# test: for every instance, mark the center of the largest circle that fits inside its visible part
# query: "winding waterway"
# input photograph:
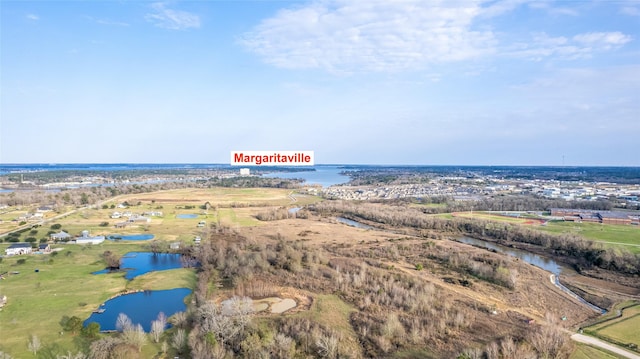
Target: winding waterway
(541, 262)
(547, 264)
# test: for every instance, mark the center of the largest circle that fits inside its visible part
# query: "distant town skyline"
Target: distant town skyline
(359, 82)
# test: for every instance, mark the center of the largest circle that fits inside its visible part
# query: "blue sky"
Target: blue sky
(362, 82)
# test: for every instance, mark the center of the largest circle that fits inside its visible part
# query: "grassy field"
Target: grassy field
(225, 197)
(584, 351)
(63, 285)
(492, 217)
(627, 236)
(625, 329)
(617, 236)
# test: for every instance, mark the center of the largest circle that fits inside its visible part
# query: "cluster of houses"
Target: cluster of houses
(85, 238)
(21, 248)
(132, 218)
(596, 216)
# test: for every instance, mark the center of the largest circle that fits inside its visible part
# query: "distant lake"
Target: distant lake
(141, 307)
(138, 263)
(186, 216)
(323, 175)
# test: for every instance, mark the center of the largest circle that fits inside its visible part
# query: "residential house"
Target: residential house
(88, 239)
(61, 236)
(17, 249)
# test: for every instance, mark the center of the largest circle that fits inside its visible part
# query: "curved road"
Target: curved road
(604, 345)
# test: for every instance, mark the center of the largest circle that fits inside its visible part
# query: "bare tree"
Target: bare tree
(179, 319)
(283, 347)
(328, 346)
(179, 340)
(135, 335)
(549, 341)
(228, 321)
(157, 327)
(101, 348)
(70, 355)
(123, 322)
(34, 344)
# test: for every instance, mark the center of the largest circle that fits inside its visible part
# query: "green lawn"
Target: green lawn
(600, 232)
(584, 351)
(62, 286)
(625, 329)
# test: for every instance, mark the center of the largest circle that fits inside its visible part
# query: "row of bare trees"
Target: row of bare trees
(583, 252)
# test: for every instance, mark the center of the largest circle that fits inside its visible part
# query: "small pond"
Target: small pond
(141, 307)
(353, 223)
(130, 237)
(186, 215)
(294, 209)
(138, 263)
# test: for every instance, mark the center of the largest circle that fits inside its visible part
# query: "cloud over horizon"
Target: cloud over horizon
(342, 36)
(172, 19)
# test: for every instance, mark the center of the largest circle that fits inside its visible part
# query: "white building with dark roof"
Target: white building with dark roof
(17, 249)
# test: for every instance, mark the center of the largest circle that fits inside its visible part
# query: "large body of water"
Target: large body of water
(138, 263)
(323, 175)
(141, 307)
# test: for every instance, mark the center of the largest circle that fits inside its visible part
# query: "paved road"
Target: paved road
(604, 345)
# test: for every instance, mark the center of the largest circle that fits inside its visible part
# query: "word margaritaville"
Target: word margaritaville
(272, 158)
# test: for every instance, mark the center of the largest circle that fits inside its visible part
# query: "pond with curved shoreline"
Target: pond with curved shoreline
(141, 307)
(138, 263)
(130, 237)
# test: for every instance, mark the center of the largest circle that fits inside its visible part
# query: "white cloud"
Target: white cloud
(630, 10)
(346, 36)
(552, 10)
(578, 46)
(33, 17)
(379, 36)
(172, 19)
(603, 40)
